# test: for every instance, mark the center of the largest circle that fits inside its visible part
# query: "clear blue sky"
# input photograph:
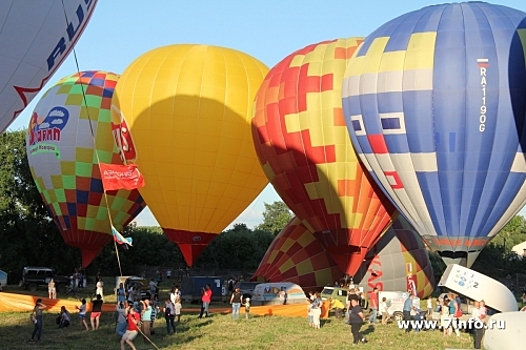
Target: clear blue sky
(122, 30)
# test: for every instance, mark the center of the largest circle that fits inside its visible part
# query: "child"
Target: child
(384, 309)
(247, 307)
(82, 314)
(177, 310)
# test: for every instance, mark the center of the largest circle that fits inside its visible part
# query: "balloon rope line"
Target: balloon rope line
(149, 340)
(92, 135)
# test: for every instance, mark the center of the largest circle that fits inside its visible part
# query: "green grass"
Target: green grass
(221, 332)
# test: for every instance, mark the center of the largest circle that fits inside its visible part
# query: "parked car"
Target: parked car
(395, 303)
(273, 293)
(247, 288)
(341, 294)
(134, 281)
(34, 277)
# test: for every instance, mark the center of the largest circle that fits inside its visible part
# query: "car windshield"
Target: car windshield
(327, 291)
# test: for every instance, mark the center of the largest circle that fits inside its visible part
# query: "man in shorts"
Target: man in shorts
(133, 320)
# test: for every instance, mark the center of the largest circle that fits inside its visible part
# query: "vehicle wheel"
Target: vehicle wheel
(32, 287)
(398, 316)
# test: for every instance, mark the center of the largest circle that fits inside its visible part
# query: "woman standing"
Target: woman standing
(96, 311)
(206, 298)
(235, 301)
(51, 289)
(316, 310)
(100, 289)
(38, 309)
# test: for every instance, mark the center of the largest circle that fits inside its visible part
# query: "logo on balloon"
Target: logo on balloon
(196, 238)
(122, 136)
(44, 132)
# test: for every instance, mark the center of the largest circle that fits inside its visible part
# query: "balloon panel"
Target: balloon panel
(188, 108)
(434, 103)
(302, 143)
(35, 38)
(398, 258)
(63, 157)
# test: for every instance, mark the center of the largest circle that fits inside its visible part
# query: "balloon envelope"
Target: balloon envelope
(435, 105)
(63, 157)
(188, 108)
(302, 143)
(35, 38)
(397, 261)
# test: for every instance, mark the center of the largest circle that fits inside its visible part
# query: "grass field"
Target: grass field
(219, 332)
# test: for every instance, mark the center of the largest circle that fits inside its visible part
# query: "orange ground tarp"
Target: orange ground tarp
(11, 302)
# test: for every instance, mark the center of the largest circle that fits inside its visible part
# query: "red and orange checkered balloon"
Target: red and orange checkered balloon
(398, 259)
(302, 143)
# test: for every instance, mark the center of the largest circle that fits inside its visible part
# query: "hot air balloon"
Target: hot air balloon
(302, 143)
(35, 37)
(434, 102)
(65, 143)
(188, 108)
(399, 260)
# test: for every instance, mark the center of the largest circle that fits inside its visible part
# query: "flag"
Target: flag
(120, 239)
(116, 177)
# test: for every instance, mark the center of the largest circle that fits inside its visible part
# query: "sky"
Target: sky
(122, 30)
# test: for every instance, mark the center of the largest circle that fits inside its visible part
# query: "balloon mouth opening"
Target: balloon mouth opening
(462, 258)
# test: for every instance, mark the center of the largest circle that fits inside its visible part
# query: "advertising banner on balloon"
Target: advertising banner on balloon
(116, 176)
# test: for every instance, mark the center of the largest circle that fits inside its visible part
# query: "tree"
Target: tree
(275, 217)
(28, 234)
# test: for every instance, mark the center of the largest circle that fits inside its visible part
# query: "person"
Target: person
(483, 311)
(0, 287)
(356, 319)
(430, 307)
(374, 306)
(235, 301)
(168, 274)
(169, 316)
(146, 318)
(64, 318)
(132, 331)
(445, 322)
(122, 322)
(316, 310)
(153, 288)
(177, 308)
(96, 310)
(454, 307)
(82, 314)
(205, 300)
(477, 332)
(51, 289)
(121, 295)
(309, 309)
(38, 310)
(384, 309)
(408, 306)
(337, 306)
(247, 308)
(100, 289)
(523, 298)
(283, 295)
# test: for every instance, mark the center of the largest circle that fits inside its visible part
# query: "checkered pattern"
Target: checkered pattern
(302, 143)
(71, 185)
(297, 256)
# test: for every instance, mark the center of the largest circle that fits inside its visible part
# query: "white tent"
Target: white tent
(520, 249)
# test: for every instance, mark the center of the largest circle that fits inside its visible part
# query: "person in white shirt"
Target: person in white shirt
(384, 309)
(478, 330)
(430, 307)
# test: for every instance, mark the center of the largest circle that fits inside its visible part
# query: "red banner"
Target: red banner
(116, 177)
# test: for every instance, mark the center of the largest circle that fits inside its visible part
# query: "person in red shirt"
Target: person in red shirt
(133, 329)
(206, 297)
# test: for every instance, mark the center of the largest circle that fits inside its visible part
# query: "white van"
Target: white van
(395, 303)
(275, 294)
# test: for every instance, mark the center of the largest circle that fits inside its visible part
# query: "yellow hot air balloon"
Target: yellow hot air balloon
(188, 110)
